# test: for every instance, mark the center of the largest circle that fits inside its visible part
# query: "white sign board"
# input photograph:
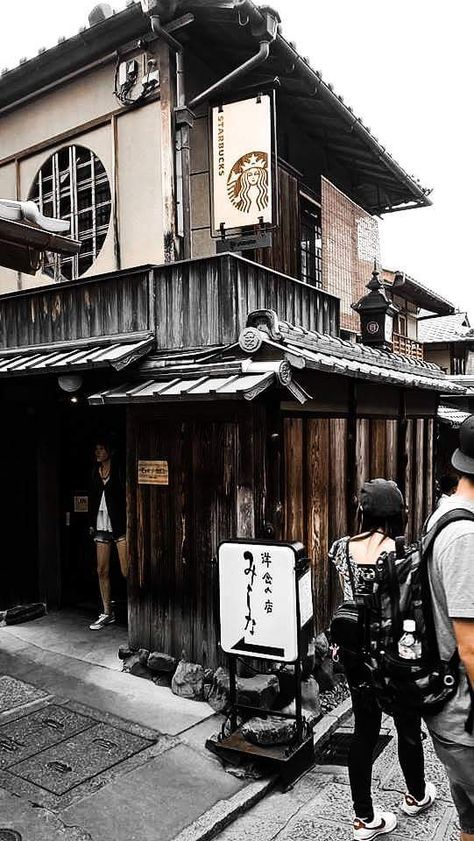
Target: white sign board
(306, 598)
(257, 584)
(242, 163)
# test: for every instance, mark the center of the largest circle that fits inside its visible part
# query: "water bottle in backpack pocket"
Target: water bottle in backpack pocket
(409, 645)
(403, 653)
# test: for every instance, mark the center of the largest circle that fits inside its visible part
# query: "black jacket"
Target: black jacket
(115, 497)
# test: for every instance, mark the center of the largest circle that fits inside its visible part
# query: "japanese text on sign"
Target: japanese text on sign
(258, 600)
(153, 473)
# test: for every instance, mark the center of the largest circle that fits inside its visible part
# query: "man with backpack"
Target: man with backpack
(451, 576)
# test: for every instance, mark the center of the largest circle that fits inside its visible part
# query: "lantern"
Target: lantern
(376, 314)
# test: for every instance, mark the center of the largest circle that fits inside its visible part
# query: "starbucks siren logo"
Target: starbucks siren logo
(247, 184)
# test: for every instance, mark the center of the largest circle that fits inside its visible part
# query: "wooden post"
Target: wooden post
(401, 444)
(168, 146)
(351, 445)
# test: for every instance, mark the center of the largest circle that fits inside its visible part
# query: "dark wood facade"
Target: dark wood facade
(193, 303)
(254, 470)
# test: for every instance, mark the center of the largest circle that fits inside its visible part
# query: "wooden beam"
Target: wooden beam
(168, 174)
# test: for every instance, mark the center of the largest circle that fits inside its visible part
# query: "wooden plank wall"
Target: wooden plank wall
(315, 498)
(103, 307)
(317, 504)
(215, 493)
(207, 301)
(284, 256)
(225, 481)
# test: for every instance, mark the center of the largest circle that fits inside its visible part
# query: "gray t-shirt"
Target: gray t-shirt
(451, 570)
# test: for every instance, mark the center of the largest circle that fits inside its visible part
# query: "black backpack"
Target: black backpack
(402, 591)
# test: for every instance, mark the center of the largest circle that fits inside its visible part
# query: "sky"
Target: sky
(405, 67)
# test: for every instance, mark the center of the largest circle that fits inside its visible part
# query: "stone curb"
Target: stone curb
(226, 812)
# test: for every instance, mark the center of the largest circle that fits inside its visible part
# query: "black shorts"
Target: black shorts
(107, 537)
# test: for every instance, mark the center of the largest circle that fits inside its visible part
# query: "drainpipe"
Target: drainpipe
(264, 25)
(255, 61)
(182, 145)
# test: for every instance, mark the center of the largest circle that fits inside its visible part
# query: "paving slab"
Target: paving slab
(119, 693)
(168, 787)
(67, 632)
(34, 824)
(16, 693)
(319, 806)
(156, 801)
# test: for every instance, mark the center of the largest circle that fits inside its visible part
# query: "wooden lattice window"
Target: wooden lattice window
(310, 243)
(73, 185)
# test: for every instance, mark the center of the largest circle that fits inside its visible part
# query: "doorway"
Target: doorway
(80, 427)
(18, 503)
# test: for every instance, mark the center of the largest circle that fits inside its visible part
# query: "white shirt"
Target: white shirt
(103, 519)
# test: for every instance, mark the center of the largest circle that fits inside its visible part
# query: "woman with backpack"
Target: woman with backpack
(382, 514)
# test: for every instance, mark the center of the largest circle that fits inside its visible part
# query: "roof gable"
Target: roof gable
(224, 33)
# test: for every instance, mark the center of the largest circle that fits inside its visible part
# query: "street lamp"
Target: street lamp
(376, 314)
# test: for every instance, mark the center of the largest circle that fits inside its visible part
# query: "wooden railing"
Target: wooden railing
(193, 303)
(207, 301)
(108, 305)
(407, 347)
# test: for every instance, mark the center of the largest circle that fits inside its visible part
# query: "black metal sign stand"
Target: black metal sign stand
(287, 760)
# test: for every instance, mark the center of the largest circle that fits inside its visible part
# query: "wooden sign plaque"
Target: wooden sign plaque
(153, 472)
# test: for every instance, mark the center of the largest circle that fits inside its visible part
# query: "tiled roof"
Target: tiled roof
(445, 328)
(73, 357)
(407, 287)
(225, 372)
(316, 98)
(451, 416)
(226, 387)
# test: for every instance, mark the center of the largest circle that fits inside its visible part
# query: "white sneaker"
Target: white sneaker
(103, 620)
(383, 822)
(414, 807)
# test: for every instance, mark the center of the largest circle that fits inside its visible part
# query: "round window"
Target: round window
(73, 185)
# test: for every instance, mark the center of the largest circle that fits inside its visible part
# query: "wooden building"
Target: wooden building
(449, 342)
(239, 371)
(411, 298)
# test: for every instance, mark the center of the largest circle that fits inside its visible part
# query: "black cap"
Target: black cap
(381, 498)
(463, 457)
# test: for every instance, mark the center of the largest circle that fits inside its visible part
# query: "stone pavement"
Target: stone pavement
(319, 808)
(88, 753)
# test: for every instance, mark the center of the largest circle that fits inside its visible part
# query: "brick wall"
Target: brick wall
(350, 244)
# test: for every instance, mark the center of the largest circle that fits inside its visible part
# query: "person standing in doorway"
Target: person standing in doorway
(107, 513)
(451, 572)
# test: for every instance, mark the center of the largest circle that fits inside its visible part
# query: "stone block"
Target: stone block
(188, 681)
(139, 670)
(310, 696)
(218, 694)
(325, 676)
(258, 691)
(286, 681)
(162, 680)
(269, 731)
(159, 662)
(125, 652)
(321, 647)
(134, 666)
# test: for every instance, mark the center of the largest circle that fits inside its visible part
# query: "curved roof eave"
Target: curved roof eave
(419, 194)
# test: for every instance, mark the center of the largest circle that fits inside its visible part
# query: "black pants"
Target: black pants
(368, 719)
